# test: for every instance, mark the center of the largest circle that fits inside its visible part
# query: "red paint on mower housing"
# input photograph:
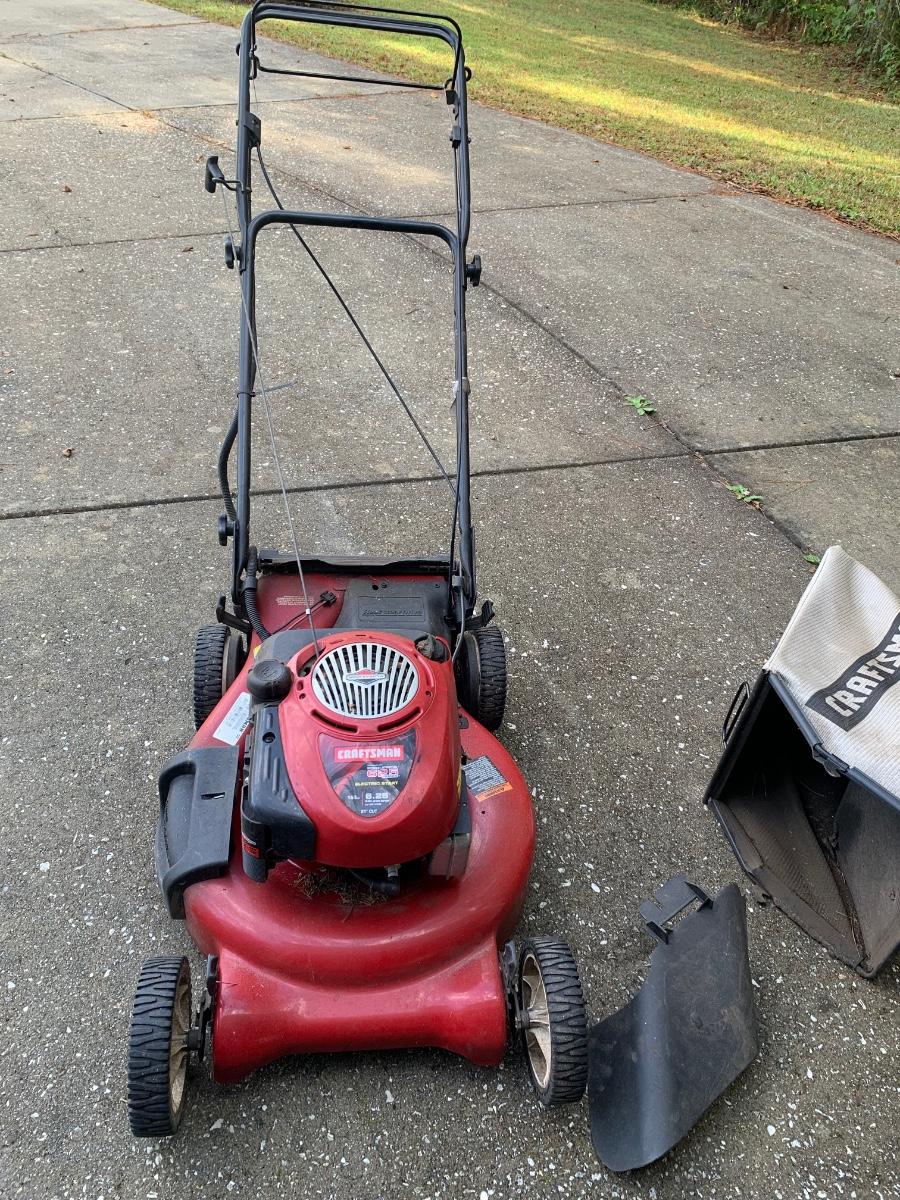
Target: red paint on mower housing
(301, 970)
(425, 810)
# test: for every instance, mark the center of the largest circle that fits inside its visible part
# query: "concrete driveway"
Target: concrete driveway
(636, 591)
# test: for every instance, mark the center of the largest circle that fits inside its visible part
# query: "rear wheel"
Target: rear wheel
(554, 1020)
(219, 654)
(481, 675)
(158, 1047)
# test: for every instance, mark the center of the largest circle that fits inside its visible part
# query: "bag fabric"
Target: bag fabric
(840, 659)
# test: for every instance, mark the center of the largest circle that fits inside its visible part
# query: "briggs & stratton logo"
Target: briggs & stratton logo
(365, 677)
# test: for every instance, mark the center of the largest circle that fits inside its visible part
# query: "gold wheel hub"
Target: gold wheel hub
(538, 1045)
(178, 1048)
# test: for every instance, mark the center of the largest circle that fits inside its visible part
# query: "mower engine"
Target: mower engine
(353, 758)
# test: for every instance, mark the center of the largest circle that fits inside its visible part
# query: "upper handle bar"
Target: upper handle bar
(363, 16)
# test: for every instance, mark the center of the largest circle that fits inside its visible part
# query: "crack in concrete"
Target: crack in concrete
(487, 473)
(123, 241)
(837, 439)
(595, 203)
(339, 198)
(62, 79)
(155, 112)
(19, 38)
(345, 485)
(99, 112)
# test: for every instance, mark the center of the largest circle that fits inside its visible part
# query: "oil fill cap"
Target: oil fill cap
(269, 681)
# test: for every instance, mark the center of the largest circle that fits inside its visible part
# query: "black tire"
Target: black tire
(219, 654)
(481, 675)
(555, 1035)
(157, 1047)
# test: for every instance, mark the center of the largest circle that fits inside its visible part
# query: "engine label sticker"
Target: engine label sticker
(484, 780)
(235, 721)
(368, 777)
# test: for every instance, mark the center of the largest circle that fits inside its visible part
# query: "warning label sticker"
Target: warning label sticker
(235, 721)
(483, 779)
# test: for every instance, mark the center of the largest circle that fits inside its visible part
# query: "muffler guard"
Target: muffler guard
(657, 1064)
(807, 788)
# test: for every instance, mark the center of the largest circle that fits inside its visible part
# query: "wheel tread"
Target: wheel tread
(149, 1109)
(209, 657)
(568, 1021)
(492, 676)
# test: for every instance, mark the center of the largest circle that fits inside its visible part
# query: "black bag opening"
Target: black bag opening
(818, 836)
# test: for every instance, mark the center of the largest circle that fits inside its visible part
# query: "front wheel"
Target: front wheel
(158, 1047)
(554, 1021)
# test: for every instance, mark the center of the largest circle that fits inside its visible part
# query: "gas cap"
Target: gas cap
(269, 681)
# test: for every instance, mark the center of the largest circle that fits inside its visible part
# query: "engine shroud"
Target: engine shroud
(382, 785)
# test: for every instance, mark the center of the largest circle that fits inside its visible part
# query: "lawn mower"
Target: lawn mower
(346, 840)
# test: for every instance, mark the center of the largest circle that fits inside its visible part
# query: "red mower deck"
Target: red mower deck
(303, 969)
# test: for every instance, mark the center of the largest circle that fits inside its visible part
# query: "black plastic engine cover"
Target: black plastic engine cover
(272, 819)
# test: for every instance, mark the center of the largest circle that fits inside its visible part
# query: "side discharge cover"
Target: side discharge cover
(657, 1064)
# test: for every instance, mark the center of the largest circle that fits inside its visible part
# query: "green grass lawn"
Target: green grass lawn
(777, 117)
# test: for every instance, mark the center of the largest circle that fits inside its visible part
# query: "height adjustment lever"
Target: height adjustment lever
(480, 620)
(214, 173)
(215, 176)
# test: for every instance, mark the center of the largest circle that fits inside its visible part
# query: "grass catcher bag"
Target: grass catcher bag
(808, 787)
